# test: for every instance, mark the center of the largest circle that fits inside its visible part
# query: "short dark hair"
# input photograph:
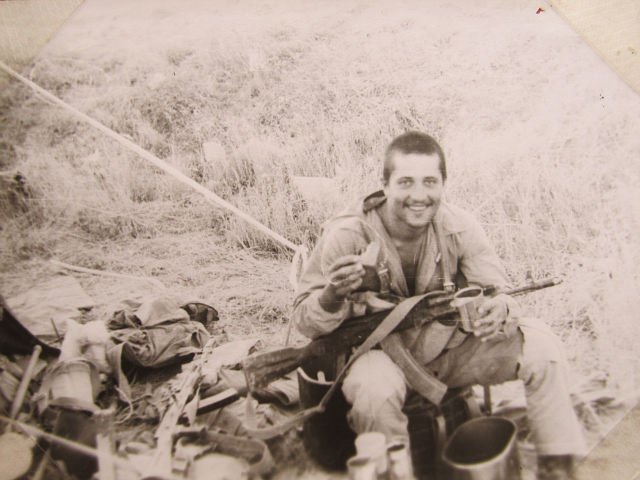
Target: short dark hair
(413, 142)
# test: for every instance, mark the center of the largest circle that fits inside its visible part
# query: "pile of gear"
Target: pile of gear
(148, 393)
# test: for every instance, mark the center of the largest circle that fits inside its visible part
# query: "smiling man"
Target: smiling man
(425, 244)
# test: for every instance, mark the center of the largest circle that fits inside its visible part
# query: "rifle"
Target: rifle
(264, 367)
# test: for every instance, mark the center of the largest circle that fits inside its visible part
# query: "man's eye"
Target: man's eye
(404, 182)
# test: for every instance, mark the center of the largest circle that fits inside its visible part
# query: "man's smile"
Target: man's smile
(419, 207)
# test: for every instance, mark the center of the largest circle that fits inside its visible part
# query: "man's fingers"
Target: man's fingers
(344, 261)
(491, 336)
(346, 280)
(485, 322)
(350, 271)
(346, 272)
(487, 325)
(355, 283)
(345, 288)
(483, 330)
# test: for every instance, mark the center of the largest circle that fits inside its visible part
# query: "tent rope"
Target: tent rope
(300, 251)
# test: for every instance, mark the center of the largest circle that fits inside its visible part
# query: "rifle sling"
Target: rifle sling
(389, 323)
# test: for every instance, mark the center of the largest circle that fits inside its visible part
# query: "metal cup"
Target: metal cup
(467, 301)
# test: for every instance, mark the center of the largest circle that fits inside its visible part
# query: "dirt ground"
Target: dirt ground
(513, 77)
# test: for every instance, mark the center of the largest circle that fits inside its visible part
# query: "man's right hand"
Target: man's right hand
(343, 276)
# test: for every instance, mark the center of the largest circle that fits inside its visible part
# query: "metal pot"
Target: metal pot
(484, 448)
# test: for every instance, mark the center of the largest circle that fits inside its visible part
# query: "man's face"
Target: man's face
(414, 189)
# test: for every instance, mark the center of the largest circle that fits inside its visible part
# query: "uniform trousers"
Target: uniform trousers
(376, 388)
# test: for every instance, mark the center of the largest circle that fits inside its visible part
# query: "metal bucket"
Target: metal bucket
(482, 449)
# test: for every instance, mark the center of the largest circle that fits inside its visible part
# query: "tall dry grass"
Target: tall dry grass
(541, 139)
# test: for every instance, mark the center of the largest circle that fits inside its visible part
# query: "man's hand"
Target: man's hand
(344, 276)
(494, 313)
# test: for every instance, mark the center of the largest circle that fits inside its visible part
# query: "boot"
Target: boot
(555, 467)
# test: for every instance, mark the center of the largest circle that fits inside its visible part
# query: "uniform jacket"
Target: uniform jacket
(472, 260)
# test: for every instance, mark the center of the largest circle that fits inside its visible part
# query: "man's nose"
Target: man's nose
(419, 193)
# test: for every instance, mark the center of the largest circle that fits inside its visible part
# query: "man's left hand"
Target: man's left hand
(494, 313)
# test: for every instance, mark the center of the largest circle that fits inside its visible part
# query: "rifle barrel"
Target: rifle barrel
(532, 287)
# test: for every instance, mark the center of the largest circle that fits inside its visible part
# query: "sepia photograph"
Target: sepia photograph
(270, 239)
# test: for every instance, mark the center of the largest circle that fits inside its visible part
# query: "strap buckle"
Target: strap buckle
(448, 286)
(385, 279)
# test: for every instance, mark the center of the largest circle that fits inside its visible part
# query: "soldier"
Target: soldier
(426, 243)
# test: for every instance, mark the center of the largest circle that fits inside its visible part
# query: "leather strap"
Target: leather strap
(387, 326)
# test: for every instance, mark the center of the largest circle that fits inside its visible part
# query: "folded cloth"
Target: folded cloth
(45, 308)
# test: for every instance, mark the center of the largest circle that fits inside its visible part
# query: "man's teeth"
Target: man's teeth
(417, 208)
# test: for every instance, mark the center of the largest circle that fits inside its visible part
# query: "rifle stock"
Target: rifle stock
(261, 368)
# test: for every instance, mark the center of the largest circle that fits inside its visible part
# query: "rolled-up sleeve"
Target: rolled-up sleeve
(310, 318)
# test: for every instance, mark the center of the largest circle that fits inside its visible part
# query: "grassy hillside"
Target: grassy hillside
(542, 141)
